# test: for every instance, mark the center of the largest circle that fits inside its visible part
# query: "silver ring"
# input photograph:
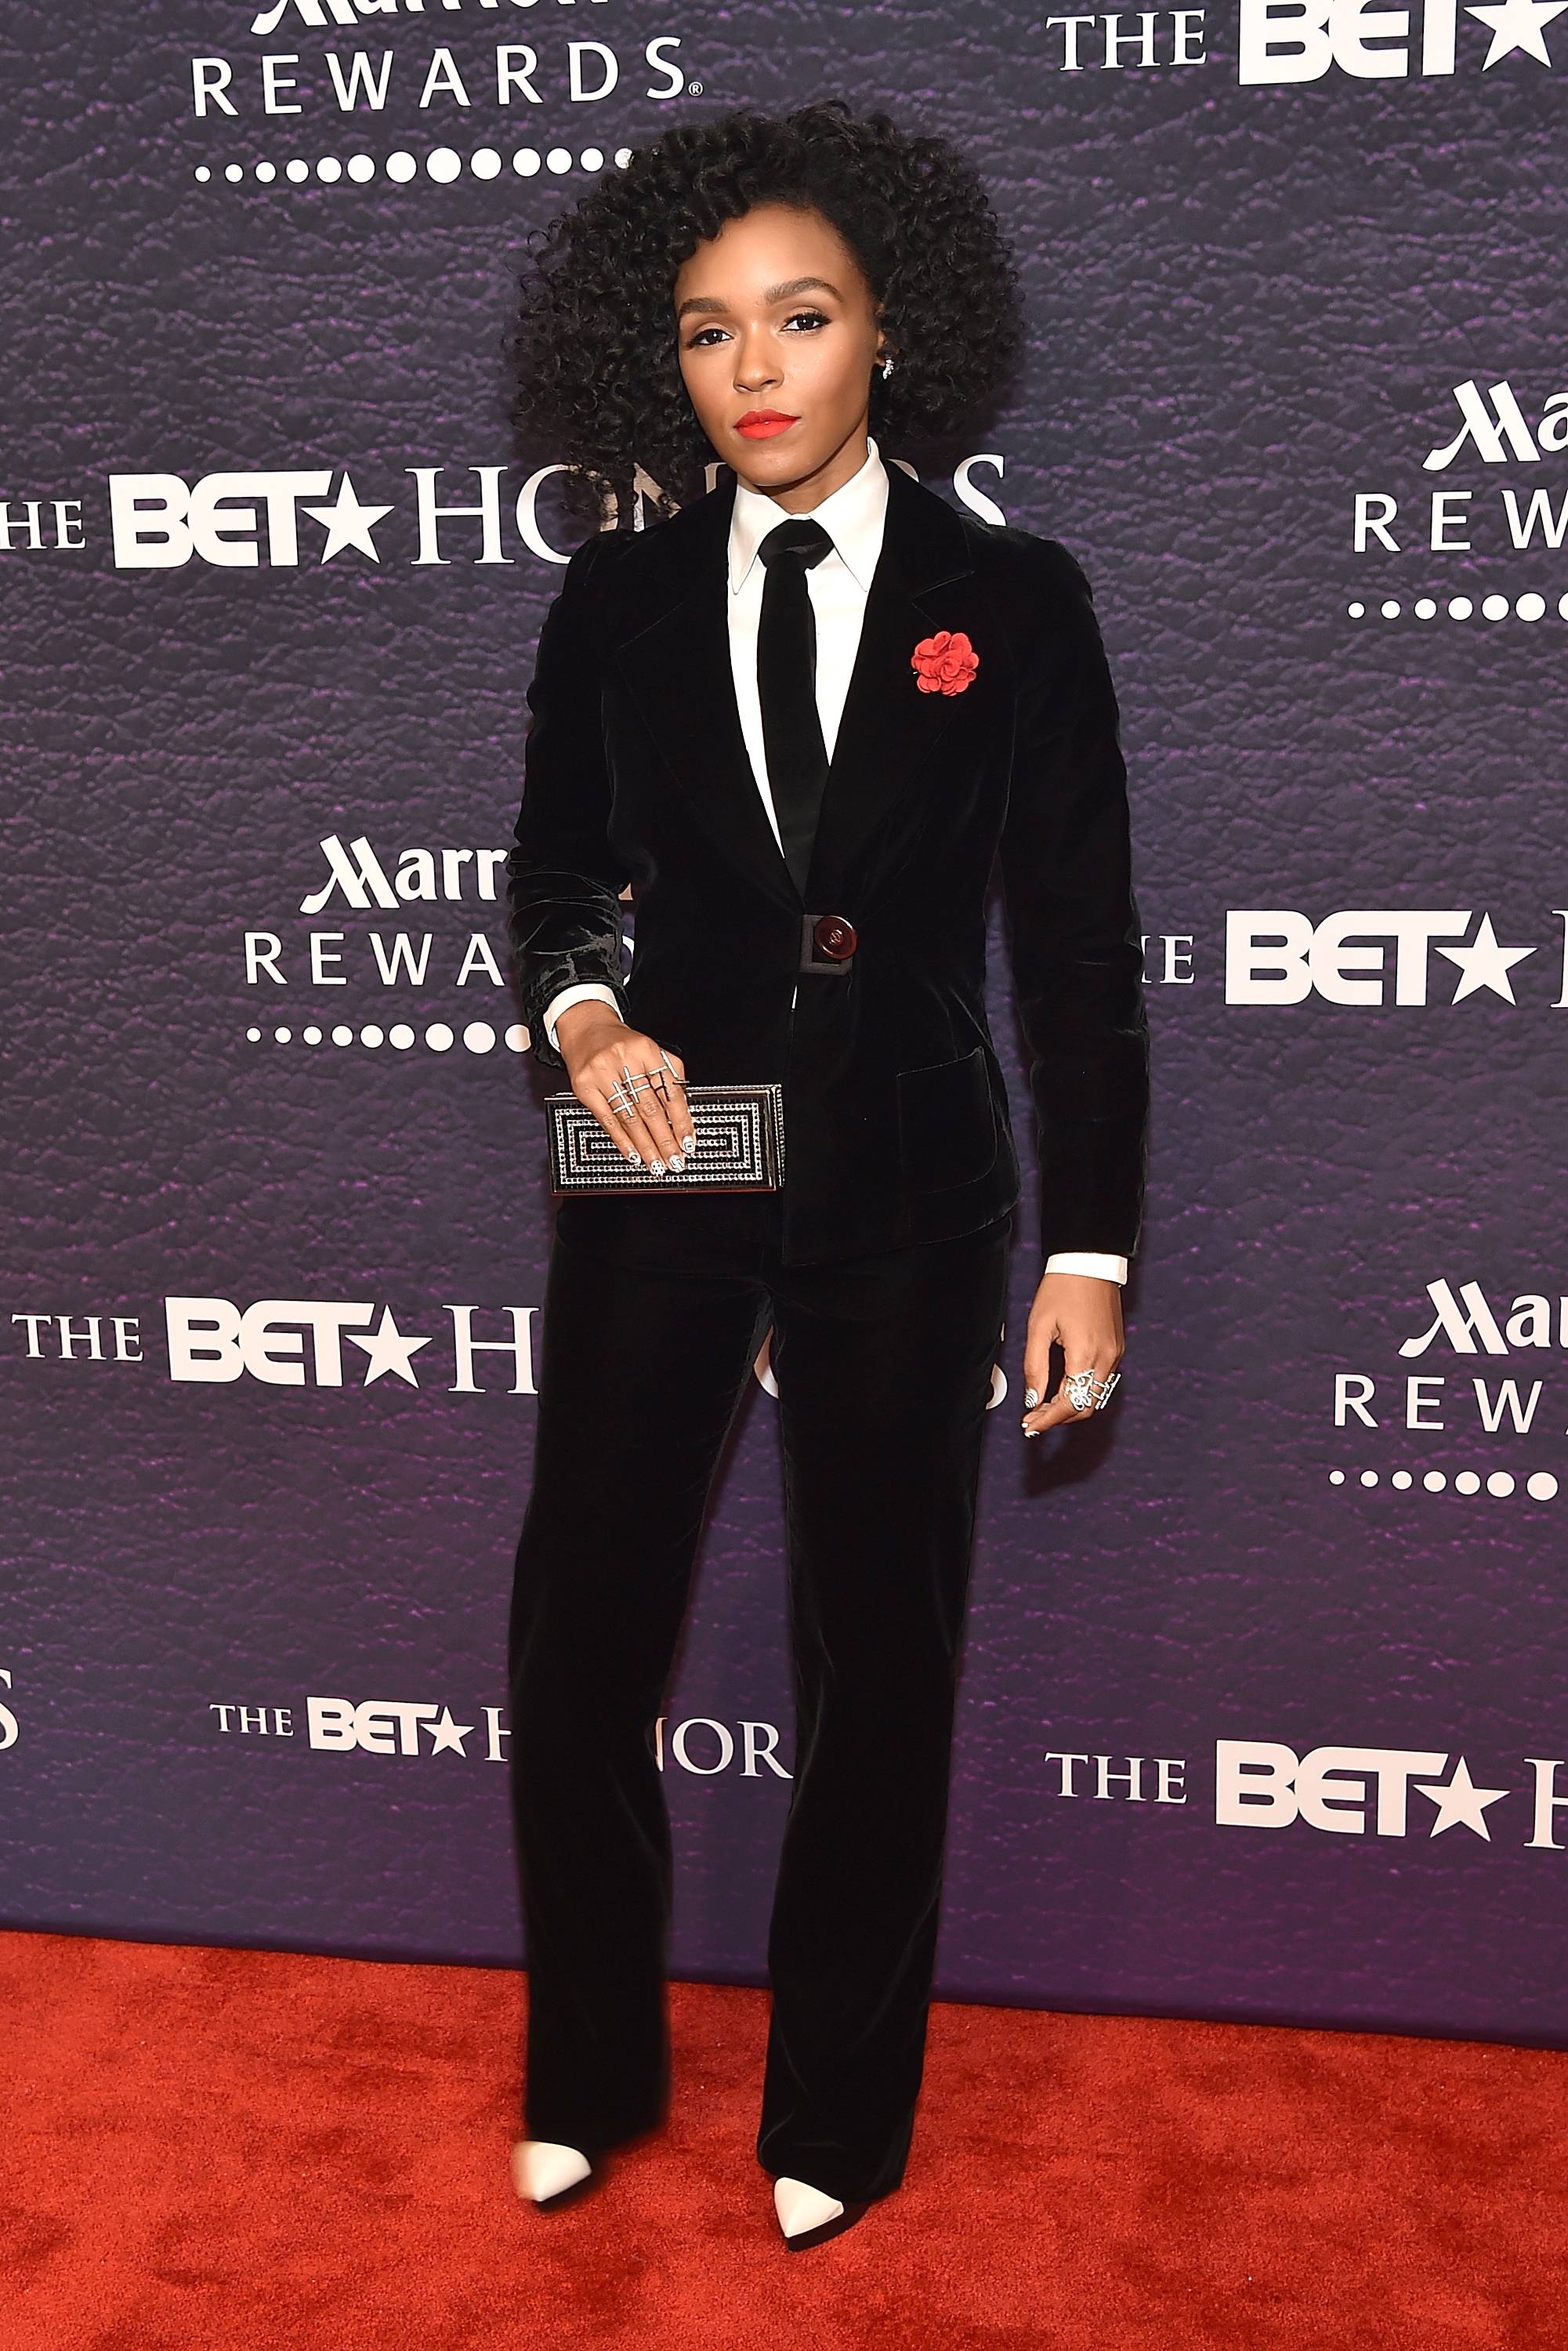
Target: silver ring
(623, 1094)
(1085, 1393)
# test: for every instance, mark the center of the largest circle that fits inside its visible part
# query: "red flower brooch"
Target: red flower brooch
(944, 664)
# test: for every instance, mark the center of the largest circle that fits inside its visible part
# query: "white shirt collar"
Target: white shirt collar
(852, 515)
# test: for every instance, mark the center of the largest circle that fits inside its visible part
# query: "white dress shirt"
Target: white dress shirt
(852, 515)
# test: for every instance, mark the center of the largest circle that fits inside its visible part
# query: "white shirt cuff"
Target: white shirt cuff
(1109, 1269)
(580, 994)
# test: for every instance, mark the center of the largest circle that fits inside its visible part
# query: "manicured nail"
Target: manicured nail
(677, 1163)
(688, 1143)
(658, 1167)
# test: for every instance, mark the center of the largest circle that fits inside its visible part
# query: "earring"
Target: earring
(887, 370)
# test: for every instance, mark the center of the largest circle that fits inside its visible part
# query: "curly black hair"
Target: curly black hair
(590, 354)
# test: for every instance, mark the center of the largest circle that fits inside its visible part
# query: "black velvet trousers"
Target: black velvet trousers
(655, 1311)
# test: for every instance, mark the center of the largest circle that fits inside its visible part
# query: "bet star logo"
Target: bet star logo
(1367, 954)
(1260, 1783)
(243, 521)
(388, 1349)
(348, 523)
(1515, 25)
(1484, 963)
(1461, 1802)
(1284, 41)
(444, 1732)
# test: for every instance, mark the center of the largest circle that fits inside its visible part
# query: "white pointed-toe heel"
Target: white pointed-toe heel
(809, 2216)
(545, 2171)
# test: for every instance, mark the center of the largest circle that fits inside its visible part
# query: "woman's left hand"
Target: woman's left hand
(1083, 1313)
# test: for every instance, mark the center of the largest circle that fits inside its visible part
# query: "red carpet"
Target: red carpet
(215, 2148)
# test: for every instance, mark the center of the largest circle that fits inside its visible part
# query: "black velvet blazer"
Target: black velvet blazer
(636, 770)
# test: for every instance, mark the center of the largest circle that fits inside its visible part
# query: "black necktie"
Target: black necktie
(787, 687)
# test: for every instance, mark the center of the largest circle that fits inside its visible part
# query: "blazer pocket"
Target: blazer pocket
(946, 1123)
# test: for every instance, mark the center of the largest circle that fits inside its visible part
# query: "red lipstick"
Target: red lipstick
(762, 424)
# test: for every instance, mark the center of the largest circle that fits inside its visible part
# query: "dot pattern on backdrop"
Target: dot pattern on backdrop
(441, 164)
(1540, 1485)
(478, 1037)
(1529, 606)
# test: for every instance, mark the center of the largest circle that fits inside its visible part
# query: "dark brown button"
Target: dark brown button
(834, 937)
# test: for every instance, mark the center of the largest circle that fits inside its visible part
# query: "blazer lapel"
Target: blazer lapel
(889, 731)
(677, 666)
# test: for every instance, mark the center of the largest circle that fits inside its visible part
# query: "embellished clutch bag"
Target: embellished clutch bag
(739, 1133)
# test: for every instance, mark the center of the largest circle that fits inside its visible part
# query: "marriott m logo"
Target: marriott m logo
(1497, 428)
(322, 13)
(357, 875)
(1467, 1321)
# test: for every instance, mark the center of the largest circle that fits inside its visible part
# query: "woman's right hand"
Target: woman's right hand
(598, 1048)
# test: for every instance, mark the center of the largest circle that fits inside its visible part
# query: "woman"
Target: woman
(801, 716)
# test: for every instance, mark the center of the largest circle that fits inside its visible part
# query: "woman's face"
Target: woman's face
(774, 319)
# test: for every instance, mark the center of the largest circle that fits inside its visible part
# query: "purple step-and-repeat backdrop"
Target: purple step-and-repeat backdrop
(1265, 1702)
